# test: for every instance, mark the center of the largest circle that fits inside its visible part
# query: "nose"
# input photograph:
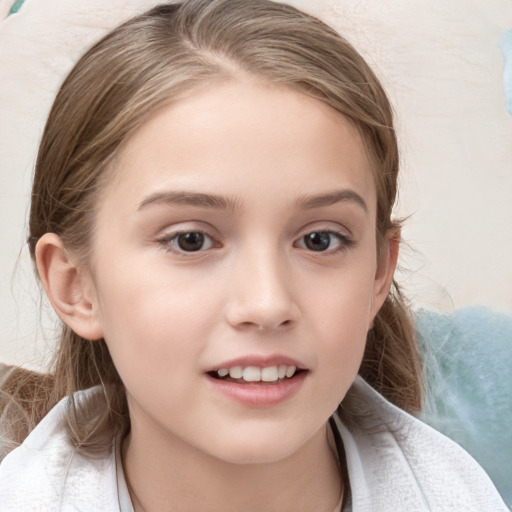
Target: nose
(262, 295)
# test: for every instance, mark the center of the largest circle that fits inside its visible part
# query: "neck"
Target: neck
(173, 476)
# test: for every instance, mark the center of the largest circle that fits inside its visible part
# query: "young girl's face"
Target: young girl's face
(237, 234)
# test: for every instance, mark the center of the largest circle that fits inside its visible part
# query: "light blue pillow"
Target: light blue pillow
(468, 356)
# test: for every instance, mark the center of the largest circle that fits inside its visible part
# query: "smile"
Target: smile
(258, 382)
(255, 374)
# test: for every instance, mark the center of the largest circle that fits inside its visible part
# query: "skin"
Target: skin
(253, 289)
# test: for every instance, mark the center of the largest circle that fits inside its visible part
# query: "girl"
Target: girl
(211, 220)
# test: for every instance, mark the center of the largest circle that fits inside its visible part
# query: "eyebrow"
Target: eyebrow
(307, 202)
(196, 199)
(216, 202)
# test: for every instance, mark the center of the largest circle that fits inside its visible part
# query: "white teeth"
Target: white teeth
(269, 374)
(251, 374)
(236, 372)
(255, 374)
(290, 371)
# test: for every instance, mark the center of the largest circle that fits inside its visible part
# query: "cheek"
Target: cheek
(344, 300)
(150, 322)
(155, 342)
(342, 317)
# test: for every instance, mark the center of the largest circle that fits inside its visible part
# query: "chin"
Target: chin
(249, 457)
(258, 449)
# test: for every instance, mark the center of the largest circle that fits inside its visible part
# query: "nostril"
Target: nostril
(262, 316)
(270, 327)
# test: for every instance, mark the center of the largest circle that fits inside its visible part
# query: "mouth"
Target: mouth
(269, 375)
(257, 381)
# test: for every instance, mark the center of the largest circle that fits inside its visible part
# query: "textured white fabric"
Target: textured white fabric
(125, 502)
(46, 474)
(395, 464)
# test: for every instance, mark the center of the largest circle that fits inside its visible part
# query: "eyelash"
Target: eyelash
(345, 242)
(169, 242)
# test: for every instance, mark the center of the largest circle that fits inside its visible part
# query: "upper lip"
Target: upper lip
(260, 362)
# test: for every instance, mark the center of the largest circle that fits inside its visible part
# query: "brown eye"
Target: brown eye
(190, 242)
(325, 241)
(187, 242)
(318, 241)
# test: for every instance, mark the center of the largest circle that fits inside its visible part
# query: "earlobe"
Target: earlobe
(66, 288)
(387, 262)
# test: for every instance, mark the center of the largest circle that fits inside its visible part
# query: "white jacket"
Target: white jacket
(395, 464)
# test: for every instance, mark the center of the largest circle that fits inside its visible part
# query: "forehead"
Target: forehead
(241, 139)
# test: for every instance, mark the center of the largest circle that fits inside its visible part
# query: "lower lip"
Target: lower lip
(256, 394)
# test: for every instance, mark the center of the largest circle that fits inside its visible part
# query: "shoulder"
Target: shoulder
(46, 473)
(395, 462)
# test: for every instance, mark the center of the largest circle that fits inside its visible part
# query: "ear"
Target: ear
(70, 292)
(386, 265)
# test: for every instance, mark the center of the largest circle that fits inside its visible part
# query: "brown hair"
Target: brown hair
(150, 61)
